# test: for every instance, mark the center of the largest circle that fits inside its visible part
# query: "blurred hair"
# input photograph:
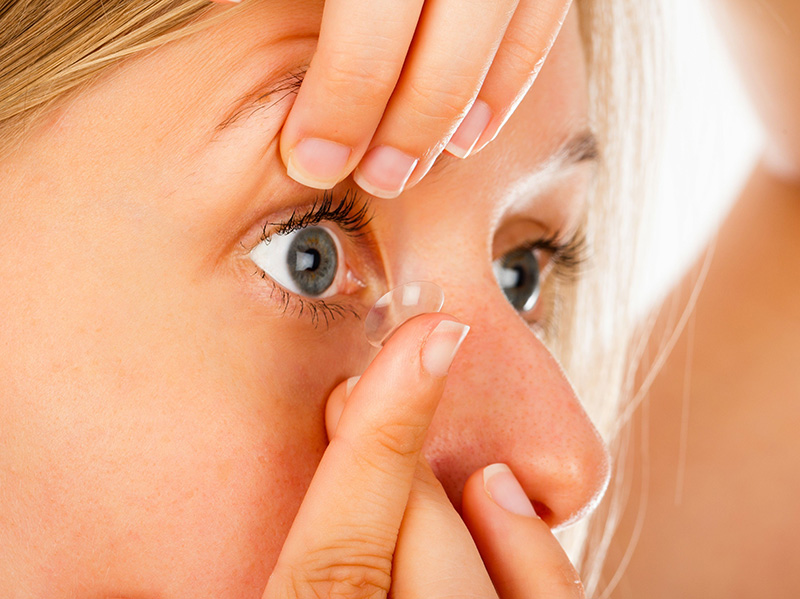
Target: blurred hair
(600, 332)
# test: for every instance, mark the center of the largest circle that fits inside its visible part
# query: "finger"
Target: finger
(359, 56)
(436, 556)
(528, 40)
(522, 556)
(335, 404)
(343, 538)
(453, 49)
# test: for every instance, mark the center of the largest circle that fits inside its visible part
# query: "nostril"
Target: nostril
(544, 512)
(568, 487)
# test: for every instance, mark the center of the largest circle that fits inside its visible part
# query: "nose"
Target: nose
(508, 400)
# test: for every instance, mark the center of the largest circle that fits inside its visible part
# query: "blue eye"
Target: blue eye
(305, 261)
(517, 273)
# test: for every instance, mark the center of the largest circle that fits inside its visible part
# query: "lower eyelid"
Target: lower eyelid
(319, 312)
(322, 311)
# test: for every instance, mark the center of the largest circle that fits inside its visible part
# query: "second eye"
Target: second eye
(305, 261)
(517, 273)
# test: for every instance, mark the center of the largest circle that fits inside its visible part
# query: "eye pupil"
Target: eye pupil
(517, 273)
(312, 260)
(520, 276)
(308, 260)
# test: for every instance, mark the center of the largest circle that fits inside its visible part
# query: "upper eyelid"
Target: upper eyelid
(352, 213)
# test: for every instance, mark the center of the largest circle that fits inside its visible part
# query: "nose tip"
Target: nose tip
(507, 400)
(565, 488)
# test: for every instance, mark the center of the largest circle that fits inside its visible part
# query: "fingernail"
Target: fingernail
(470, 130)
(318, 163)
(351, 382)
(384, 171)
(442, 345)
(504, 489)
(399, 305)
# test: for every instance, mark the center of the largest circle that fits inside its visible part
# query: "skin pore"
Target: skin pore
(163, 410)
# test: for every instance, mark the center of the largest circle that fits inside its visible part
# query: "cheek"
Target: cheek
(123, 477)
(152, 412)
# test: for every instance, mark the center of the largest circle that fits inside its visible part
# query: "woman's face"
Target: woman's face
(163, 400)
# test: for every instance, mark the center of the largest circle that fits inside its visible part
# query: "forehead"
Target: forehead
(190, 86)
(150, 127)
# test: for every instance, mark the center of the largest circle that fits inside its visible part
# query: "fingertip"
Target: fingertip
(335, 405)
(384, 171)
(405, 379)
(318, 163)
(504, 489)
(351, 383)
(442, 345)
(435, 338)
(492, 493)
(462, 143)
(489, 135)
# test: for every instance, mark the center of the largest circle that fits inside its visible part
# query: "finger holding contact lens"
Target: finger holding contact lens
(399, 305)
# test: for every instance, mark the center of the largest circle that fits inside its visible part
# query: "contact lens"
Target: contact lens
(399, 305)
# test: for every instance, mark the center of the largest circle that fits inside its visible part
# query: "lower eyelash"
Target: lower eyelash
(319, 311)
(352, 215)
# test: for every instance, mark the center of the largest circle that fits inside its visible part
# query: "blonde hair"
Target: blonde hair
(600, 335)
(50, 50)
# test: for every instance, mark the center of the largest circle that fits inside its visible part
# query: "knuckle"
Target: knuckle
(401, 439)
(521, 54)
(439, 99)
(351, 72)
(342, 573)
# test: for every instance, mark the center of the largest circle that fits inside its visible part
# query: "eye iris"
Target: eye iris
(312, 260)
(518, 275)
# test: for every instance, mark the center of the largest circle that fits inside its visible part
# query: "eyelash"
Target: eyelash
(567, 256)
(352, 215)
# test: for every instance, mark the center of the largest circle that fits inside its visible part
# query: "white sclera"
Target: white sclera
(400, 304)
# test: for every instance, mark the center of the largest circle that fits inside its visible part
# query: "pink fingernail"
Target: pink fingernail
(384, 171)
(470, 130)
(442, 345)
(351, 383)
(318, 163)
(504, 489)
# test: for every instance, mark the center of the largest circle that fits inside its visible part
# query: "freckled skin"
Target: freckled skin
(162, 417)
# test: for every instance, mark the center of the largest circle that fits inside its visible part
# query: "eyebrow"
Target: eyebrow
(263, 96)
(582, 147)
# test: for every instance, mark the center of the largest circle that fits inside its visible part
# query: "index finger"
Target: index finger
(343, 538)
(361, 50)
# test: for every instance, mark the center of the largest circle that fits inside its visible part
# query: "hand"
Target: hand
(393, 83)
(376, 520)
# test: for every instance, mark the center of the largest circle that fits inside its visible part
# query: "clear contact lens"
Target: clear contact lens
(399, 305)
